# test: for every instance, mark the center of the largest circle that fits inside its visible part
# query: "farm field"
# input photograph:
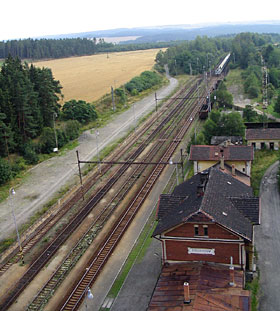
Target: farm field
(90, 77)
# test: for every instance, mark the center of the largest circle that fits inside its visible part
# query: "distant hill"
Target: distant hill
(176, 32)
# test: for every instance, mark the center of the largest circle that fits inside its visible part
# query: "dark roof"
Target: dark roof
(214, 153)
(167, 202)
(262, 133)
(217, 140)
(254, 125)
(249, 207)
(221, 202)
(209, 288)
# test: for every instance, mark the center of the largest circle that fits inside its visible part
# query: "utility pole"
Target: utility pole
(190, 69)
(55, 136)
(113, 99)
(80, 174)
(156, 100)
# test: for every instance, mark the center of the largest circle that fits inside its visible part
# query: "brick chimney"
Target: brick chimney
(222, 159)
(187, 297)
(202, 185)
(233, 170)
(222, 163)
(231, 276)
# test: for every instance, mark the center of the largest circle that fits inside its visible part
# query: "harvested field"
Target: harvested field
(90, 77)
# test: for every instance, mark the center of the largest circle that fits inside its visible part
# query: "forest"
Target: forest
(60, 48)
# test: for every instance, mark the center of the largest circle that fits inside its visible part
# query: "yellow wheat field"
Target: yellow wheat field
(90, 77)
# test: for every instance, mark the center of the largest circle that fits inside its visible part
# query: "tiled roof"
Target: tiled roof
(209, 289)
(214, 153)
(168, 201)
(249, 207)
(221, 202)
(262, 133)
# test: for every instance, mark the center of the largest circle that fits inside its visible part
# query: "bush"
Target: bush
(72, 129)
(18, 166)
(79, 110)
(47, 140)
(146, 80)
(5, 171)
(29, 154)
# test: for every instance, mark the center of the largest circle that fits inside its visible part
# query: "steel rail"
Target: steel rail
(49, 252)
(98, 260)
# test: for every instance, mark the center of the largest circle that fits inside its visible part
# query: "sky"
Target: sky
(34, 18)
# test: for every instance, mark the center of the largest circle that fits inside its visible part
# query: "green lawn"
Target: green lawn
(234, 78)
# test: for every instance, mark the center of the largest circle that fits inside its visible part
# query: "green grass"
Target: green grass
(137, 253)
(270, 110)
(234, 78)
(254, 287)
(262, 161)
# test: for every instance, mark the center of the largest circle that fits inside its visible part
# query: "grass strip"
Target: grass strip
(254, 287)
(263, 159)
(137, 253)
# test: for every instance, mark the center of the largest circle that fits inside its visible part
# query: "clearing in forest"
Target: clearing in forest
(90, 77)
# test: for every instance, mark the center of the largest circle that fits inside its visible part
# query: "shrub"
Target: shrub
(29, 153)
(47, 140)
(79, 110)
(72, 129)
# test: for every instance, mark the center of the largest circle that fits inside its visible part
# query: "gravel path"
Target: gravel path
(267, 241)
(49, 176)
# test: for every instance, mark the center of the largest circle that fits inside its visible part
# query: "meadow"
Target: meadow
(90, 77)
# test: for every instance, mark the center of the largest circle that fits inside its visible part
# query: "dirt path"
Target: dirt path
(45, 179)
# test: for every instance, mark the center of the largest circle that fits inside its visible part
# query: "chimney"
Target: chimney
(203, 181)
(231, 273)
(231, 276)
(200, 190)
(233, 170)
(187, 298)
(222, 163)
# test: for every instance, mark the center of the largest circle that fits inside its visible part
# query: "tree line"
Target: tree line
(51, 48)
(59, 48)
(29, 107)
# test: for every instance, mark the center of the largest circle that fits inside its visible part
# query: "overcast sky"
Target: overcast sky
(31, 18)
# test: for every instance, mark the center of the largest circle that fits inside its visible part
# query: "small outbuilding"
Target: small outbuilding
(263, 138)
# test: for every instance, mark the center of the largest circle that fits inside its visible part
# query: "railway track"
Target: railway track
(96, 263)
(39, 263)
(89, 236)
(53, 218)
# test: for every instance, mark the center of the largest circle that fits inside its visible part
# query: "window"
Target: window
(205, 230)
(195, 230)
(254, 145)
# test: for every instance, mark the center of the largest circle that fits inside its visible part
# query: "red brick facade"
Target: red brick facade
(191, 242)
(178, 251)
(214, 231)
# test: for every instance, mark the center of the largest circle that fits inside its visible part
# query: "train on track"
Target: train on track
(222, 65)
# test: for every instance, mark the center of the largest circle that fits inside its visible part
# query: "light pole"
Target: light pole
(55, 136)
(88, 295)
(134, 120)
(11, 194)
(99, 167)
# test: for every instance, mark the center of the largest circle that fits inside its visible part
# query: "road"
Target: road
(45, 179)
(267, 241)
